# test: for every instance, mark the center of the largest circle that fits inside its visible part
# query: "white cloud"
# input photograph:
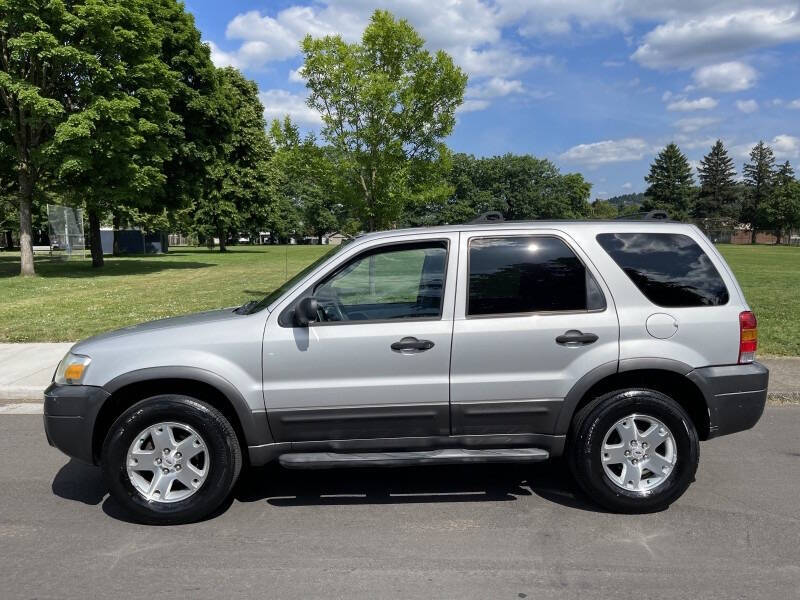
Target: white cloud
(747, 106)
(607, 151)
(691, 124)
(613, 64)
(221, 58)
(295, 77)
(786, 146)
(684, 104)
(794, 104)
(725, 77)
(496, 87)
(472, 106)
(627, 185)
(470, 30)
(690, 39)
(279, 103)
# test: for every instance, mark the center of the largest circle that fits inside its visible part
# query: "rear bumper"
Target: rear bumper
(70, 412)
(735, 396)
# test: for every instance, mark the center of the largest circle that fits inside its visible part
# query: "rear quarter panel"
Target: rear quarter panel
(707, 335)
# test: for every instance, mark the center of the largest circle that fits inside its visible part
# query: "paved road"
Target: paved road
(440, 532)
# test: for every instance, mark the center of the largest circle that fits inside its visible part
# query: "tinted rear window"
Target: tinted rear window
(528, 274)
(671, 270)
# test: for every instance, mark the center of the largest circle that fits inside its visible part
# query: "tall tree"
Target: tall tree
(204, 121)
(8, 199)
(386, 105)
(237, 190)
(781, 209)
(306, 177)
(671, 183)
(759, 175)
(603, 209)
(717, 186)
(111, 147)
(519, 186)
(37, 61)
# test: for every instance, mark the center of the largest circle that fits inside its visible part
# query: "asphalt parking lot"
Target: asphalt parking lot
(437, 532)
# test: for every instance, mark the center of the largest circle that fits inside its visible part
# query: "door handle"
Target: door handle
(573, 337)
(412, 344)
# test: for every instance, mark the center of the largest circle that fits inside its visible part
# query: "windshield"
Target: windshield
(289, 283)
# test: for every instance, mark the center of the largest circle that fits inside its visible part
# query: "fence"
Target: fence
(722, 231)
(65, 230)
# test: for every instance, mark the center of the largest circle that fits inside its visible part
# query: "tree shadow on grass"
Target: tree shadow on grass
(48, 267)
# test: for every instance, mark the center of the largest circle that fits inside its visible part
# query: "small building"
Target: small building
(336, 238)
(134, 241)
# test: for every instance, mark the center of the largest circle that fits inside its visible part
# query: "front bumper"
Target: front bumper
(735, 396)
(70, 412)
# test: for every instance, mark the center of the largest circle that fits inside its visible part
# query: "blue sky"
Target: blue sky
(597, 86)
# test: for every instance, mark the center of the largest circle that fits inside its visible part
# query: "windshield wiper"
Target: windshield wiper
(245, 308)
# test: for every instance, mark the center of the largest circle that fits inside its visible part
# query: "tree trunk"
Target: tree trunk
(97, 242)
(221, 234)
(9, 239)
(116, 224)
(319, 239)
(26, 268)
(778, 233)
(753, 235)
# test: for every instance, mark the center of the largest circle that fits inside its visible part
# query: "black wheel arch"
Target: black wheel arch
(125, 390)
(661, 374)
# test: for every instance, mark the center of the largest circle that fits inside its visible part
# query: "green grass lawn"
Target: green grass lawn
(770, 278)
(70, 300)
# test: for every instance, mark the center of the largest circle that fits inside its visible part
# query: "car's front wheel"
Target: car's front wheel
(171, 459)
(634, 450)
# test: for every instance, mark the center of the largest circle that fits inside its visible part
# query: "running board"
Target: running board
(328, 460)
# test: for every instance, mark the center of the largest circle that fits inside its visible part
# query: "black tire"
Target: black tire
(590, 426)
(225, 458)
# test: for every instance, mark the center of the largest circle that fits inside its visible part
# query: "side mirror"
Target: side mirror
(305, 311)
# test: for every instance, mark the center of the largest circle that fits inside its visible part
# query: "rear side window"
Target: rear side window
(671, 270)
(528, 274)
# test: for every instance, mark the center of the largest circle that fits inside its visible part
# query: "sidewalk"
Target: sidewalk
(28, 369)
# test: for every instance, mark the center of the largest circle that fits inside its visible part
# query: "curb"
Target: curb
(21, 392)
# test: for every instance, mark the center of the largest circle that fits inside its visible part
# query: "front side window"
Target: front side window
(404, 281)
(528, 274)
(670, 269)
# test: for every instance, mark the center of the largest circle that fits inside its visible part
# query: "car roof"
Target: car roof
(606, 225)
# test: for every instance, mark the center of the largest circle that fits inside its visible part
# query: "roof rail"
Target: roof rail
(653, 215)
(492, 216)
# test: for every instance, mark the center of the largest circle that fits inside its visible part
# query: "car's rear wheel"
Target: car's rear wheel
(171, 459)
(633, 450)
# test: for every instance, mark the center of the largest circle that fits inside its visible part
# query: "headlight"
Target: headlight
(72, 368)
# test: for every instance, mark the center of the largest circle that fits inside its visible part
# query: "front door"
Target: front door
(532, 317)
(376, 363)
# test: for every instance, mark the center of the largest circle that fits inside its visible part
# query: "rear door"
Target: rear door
(532, 316)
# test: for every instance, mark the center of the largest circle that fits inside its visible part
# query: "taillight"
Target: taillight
(748, 337)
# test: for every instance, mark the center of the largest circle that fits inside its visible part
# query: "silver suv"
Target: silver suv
(617, 345)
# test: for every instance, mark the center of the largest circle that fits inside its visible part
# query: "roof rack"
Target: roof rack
(653, 215)
(492, 216)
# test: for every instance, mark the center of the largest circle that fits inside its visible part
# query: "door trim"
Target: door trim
(360, 421)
